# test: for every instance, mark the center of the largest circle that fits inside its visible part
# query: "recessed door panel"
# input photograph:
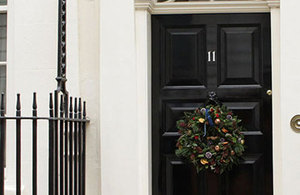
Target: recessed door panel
(185, 57)
(248, 112)
(174, 110)
(239, 48)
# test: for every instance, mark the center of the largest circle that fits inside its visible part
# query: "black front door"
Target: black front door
(225, 53)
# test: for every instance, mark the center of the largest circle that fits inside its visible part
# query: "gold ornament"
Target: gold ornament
(232, 153)
(225, 130)
(212, 138)
(217, 121)
(201, 120)
(217, 148)
(204, 161)
(242, 142)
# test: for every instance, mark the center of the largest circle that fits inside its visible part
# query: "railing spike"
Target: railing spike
(18, 102)
(75, 106)
(34, 104)
(2, 107)
(71, 105)
(79, 106)
(84, 110)
(51, 101)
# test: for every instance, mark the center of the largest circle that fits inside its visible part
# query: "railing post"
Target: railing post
(66, 145)
(56, 155)
(80, 146)
(71, 148)
(18, 146)
(51, 136)
(61, 62)
(2, 144)
(75, 150)
(84, 148)
(34, 146)
(61, 123)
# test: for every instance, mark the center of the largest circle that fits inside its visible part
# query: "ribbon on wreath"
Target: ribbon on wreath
(210, 121)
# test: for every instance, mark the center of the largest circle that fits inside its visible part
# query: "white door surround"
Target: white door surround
(143, 11)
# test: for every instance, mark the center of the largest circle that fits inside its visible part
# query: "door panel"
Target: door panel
(240, 63)
(183, 73)
(173, 110)
(185, 65)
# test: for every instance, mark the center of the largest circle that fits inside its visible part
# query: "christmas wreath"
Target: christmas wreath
(211, 138)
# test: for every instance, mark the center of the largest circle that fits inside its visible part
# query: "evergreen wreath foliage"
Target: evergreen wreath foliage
(211, 138)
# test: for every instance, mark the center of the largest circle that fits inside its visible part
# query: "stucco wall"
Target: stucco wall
(290, 96)
(89, 86)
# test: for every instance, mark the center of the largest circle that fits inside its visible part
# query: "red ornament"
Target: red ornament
(217, 121)
(192, 157)
(217, 115)
(211, 109)
(182, 124)
(196, 137)
(193, 118)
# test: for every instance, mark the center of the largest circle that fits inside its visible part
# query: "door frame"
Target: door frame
(143, 11)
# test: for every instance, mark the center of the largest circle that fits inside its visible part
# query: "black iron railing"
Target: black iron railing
(67, 131)
(67, 144)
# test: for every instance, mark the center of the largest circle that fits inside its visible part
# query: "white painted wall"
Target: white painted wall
(290, 96)
(118, 99)
(89, 86)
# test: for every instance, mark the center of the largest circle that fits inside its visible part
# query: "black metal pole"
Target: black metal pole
(61, 139)
(84, 149)
(2, 144)
(71, 149)
(75, 150)
(51, 136)
(18, 147)
(80, 147)
(56, 155)
(66, 145)
(61, 55)
(34, 146)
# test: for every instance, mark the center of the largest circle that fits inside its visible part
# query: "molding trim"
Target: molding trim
(273, 3)
(206, 6)
(145, 5)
